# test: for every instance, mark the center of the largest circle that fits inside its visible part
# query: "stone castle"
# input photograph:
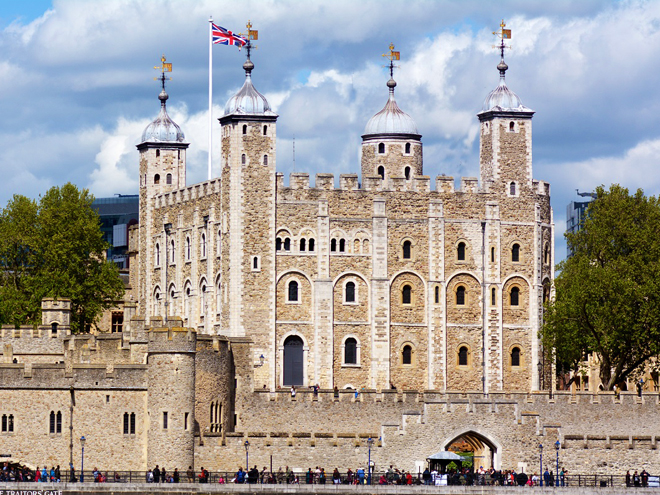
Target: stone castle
(420, 304)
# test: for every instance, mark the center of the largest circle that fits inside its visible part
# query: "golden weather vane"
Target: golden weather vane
(502, 34)
(392, 56)
(164, 67)
(251, 35)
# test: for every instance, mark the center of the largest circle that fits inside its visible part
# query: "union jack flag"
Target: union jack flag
(223, 37)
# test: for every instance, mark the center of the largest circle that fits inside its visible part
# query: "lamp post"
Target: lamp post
(247, 458)
(557, 445)
(82, 459)
(370, 443)
(541, 464)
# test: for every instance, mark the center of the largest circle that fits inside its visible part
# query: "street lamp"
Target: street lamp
(247, 458)
(557, 445)
(541, 463)
(370, 443)
(82, 459)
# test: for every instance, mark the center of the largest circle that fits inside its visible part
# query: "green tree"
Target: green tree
(63, 251)
(607, 295)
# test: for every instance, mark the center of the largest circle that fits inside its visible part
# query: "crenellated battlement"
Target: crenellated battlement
(189, 193)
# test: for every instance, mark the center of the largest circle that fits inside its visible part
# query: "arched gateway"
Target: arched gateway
(487, 451)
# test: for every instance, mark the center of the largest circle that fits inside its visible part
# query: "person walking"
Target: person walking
(190, 474)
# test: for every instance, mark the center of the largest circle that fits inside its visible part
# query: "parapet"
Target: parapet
(325, 181)
(422, 183)
(299, 180)
(185, 194)
(444, 184)
(172, 337)
(348, 182)
(469, 184)
(541, 187)
(372, 183)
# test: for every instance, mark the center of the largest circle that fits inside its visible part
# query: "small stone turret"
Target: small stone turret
(56, 313)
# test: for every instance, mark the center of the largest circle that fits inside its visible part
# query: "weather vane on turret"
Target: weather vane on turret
(250, 35)
(392, 56)
(503, 34)
(165, 67)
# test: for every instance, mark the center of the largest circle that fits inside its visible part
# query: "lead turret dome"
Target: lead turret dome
(163, 129)
(391, 119)
(502, 98)
(248, 101)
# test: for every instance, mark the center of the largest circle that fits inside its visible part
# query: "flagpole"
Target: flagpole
(210, 174)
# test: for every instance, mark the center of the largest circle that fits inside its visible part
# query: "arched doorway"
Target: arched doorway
(293, 361)
(482, 448)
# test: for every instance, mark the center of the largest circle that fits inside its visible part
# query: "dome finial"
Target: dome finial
(392, 56)
(503, 34)
(251, 34)
(164, 67)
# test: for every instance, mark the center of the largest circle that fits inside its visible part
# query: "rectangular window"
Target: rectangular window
(117, 321)
(4, 422)
(165, 420)
(132, 423)
(126, 424)
(59, 422)
(185, 421)
(10, 423)
(107, 399)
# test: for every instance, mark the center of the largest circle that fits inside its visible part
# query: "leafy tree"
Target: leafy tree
(58, 251)
(607, 295)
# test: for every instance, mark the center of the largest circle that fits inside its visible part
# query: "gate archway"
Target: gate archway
(486, 450)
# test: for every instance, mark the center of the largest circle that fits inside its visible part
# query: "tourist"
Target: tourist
(426, 476)
(175, 476)
(57, 474)
(156, 473)
(628, 479)
(150, 476)
(360, 474)
(645, 478)
(336, 392)
(190, 474)
(293, 391)
(240, 476)
(309, 477)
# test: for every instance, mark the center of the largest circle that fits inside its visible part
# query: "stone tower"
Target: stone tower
(506, 141)
(162, 169)
(248, 218)
(391, 145)
(171, 400)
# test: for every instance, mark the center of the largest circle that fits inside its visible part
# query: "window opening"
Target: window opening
(515, 356)
(333, 245)
(511, 126)
(515, 296)
(168, 179)
(437, 294)
(311, 244)
(381, 172)
(126, 424)
(406, 250)
(132, 423)
(303, 244)
(463, 356)
(492, 255)
(265, 130)
(460, 295)
(342, 245)
(406, 355)
(407, 173)
(117, 321)
(293, 291)
(53, 328)
(157, 153)
(512, 189)
(350, 292)
(243, 159)
(287, 244)
(407, 147)
(157, 254)
(381, 148)
(460, 252)
(265, 159)
(492, 297)
(203, 245)
(406, 294)
(255, 263)
(244, 129)
(165, 420)
(350, 351)
(187, 248)
(157, 179)
(278, 244)
(515, 252)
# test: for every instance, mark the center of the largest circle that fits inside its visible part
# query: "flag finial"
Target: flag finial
(392, 56)
(502, 34)
(164, 67)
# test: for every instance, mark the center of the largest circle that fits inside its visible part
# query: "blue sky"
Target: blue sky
(77, 88)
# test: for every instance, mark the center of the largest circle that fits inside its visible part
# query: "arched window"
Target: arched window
(202, 300)
(203, 245)
(157, 153)
(294, 356)
(512, 189)
(244, 129)
(287, 244)
(492, 297)
(333, 245)
(126, 423)
(293, 291)
(186, 303)
(342, 245)
(349, 292)
(157, 179)
(515, 296)
(278, 244)
(265, 130)
(437, 294)
(381, 148)
(407, 148)
(187, 248)
(168, 179)
(463, 356)
(492, 255)
(157, 254)
(460, 295)
(381, 172)
(407, 173)
(311, 244)
(515, 356)
(303, 244)
(460, 251)
(53, 328)
(406, 294)
(255, 262)
(406, 354)
(407, 248)
(546, 254)
(265, 159)
(157, 302)
(172, 250)
(243, 159)
(350, 351)
(515, 253)
(512, 126)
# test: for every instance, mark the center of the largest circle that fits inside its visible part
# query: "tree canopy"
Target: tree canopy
(55, 248)
(607, 294)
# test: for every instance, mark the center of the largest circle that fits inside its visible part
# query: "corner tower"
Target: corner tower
(391, 145)
(248, 218)
(505, 154)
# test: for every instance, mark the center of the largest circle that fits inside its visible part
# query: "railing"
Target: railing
(377, 478)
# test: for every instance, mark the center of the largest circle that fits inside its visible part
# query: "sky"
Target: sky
(77, 85)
